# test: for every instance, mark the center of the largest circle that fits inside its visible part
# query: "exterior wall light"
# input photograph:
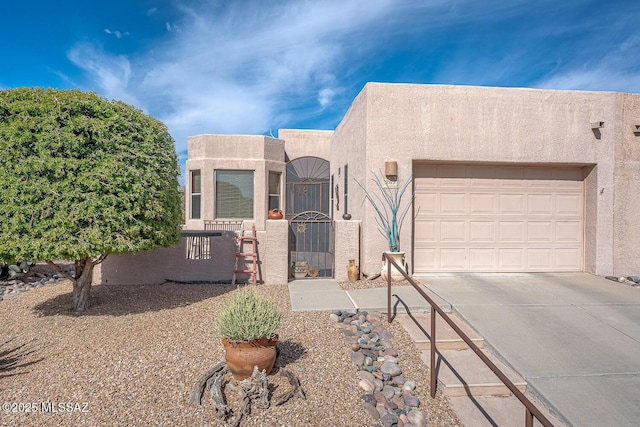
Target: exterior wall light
(636, 130)
(595, 127)
(391, 170)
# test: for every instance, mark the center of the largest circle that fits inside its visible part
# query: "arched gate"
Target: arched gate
(311, 236)
(311, 245)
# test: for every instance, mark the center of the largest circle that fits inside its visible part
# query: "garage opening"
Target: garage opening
(498, 218)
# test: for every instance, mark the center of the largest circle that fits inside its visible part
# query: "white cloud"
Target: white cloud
(232, 72)
(116, 33)
(609, 72)
(602, 78)
(110, 72)
(325, 97)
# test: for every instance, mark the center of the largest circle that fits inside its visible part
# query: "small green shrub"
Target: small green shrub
(246, 315)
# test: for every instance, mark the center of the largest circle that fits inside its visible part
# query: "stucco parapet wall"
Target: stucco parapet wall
(467, 123)
(302, 143)
(256, 147)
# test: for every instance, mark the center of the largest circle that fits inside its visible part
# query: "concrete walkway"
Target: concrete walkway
(327, 295)
(575, 338)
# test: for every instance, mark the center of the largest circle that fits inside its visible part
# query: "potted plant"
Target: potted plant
(247, 326)
(390, 218)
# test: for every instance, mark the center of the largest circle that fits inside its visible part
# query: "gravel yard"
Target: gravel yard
(375, 283)
(135, 355)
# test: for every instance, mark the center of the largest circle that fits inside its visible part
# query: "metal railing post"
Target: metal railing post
(388, 289)
(432, 347)
(528, 420)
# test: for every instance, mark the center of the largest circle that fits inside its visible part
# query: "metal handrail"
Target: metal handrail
(530, 410)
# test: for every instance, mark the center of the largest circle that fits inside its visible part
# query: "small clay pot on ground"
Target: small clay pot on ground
(352, 271)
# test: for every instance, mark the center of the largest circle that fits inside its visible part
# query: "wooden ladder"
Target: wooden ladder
(241, 255)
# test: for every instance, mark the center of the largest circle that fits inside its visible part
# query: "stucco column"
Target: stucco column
(347, 246)
(275, 257)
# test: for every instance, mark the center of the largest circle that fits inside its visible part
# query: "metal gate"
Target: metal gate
(311, 245)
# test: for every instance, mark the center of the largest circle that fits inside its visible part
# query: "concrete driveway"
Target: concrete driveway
(575, 338)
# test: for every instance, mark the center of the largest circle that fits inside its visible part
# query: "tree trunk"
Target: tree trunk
(82, 285)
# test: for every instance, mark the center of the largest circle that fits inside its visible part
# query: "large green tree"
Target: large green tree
(83, 177)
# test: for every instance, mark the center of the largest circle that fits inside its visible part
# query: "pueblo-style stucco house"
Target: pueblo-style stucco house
(505, 180)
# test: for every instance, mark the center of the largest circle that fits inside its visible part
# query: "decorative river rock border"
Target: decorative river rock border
(11, 288)
(389, 398)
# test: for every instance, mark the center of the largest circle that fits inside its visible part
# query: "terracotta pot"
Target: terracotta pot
(275, 214)
(398, 257)
(242, 356)
(352, 270)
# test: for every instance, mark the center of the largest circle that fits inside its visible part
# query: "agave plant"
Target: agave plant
(387, 206)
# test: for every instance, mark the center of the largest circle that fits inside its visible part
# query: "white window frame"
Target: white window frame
(277, 194)
(195, 195)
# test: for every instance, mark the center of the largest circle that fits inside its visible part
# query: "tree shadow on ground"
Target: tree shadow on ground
(14, 357)
(120, 300)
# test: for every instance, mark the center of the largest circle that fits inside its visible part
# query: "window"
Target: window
(307, 186)
(346, 190)
(195, 194)
(274, 190)
(234, 194)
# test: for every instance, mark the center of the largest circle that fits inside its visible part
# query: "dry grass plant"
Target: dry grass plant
(248, 315)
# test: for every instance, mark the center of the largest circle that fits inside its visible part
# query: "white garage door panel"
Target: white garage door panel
(492, 218)
(481, 259)
(481, 231)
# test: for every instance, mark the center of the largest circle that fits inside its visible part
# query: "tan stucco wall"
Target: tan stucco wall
(302, 143)
(275, 256)
(348, 147)
(409, 123)
(209, 153)
(347, 247)
(169, 264)
(627, 188)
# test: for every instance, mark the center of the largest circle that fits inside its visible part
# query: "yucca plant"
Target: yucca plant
(388, 207)
(247, 315)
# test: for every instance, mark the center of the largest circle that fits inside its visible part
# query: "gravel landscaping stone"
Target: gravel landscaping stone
(375, 283)
(417, 418)
(134, 356)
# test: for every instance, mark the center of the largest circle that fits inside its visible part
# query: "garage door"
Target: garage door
(498, 218)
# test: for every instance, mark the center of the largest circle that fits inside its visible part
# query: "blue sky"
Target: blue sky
(254, 66)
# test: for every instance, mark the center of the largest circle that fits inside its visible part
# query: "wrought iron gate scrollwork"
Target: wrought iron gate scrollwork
(311, 241)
